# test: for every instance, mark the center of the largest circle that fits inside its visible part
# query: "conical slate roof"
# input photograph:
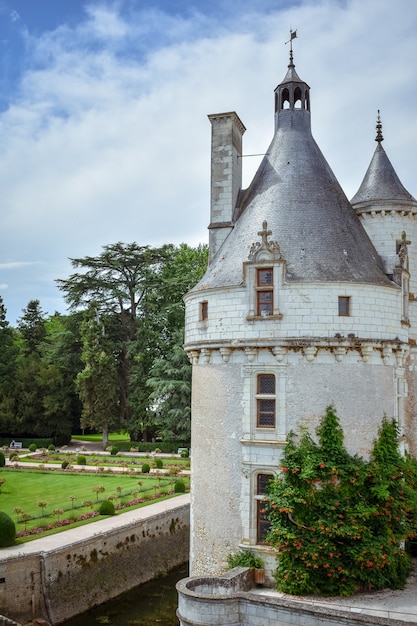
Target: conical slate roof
(306, 210)
(381, 181)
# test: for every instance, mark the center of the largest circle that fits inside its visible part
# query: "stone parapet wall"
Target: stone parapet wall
(234, 600)
(59, 583)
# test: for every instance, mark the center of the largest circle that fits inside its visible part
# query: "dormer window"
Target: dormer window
(264, 272)
(264, 291)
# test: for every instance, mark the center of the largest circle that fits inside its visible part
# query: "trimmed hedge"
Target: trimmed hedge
(106, 508)
(166, 447)
(26, 441)
(7, 530)
(179, 486)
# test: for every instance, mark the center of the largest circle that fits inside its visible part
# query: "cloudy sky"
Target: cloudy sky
(104, 135)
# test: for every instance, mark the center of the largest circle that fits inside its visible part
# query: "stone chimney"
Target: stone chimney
(226, 175)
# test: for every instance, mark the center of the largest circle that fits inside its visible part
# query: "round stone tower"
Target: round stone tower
(295, 312)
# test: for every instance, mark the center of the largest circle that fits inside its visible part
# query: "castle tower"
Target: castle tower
(389, 214)
(295, 312)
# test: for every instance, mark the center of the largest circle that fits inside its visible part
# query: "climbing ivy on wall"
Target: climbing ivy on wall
(339, 522)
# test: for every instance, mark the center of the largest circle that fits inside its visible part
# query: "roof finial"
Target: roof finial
(293, 35)
(378, 127)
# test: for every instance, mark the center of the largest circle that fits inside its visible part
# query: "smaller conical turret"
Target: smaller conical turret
(381, 182)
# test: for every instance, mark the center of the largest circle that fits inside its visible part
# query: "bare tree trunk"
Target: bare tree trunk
(105, 436)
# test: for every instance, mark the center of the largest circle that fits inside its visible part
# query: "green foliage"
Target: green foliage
(2, 459)
(336, 520)
(13, 456)
(32, 447)
(159, 463)
(98, 382)
(31, 326)
(9, 352)
(106, 508)
(7, 530)
(170, 381)
(146, 468)
(244, 558)
(179, 486)
(81, 460)
(114, 450)
(51, 447)
(185, 454)
(64, 464)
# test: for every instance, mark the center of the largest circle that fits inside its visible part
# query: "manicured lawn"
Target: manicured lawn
(65, 491)
(113, 437)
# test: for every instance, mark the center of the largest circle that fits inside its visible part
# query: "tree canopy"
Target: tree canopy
(109, 362)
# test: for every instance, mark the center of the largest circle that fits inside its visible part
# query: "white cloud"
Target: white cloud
(17, 264)
(107, 138)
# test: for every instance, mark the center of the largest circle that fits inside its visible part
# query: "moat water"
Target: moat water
(152, 603)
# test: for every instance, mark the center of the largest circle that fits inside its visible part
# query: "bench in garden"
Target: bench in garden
(16, 445)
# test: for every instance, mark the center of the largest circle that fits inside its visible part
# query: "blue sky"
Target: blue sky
(104, 134)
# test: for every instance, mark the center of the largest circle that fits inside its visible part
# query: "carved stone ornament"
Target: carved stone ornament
(264, 248)
(403, 251)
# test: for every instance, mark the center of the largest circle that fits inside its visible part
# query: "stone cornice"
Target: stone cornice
(392, 352)
(385, 208)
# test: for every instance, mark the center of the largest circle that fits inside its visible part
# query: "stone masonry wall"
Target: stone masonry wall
(60, 583)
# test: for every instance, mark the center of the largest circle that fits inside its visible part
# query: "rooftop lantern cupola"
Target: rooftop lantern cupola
(292, 93)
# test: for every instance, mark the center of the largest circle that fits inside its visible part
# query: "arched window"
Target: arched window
(298, 103)
(285, 99)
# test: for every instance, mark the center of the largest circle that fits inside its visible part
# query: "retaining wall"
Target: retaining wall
(59, 583)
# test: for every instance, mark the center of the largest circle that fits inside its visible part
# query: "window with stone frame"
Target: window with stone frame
(262, 522)
(266, 401)
(264, 291)
(204, 310)
(344, 306)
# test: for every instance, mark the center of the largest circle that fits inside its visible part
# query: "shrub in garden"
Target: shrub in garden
(179, 486)
(32, 447)
(146, 468)
(51, 447)
(114, 450)
(106, 508)
(2, 459)
(244, 558)
(337, 520)
(185, 454)
(64, 464)
(159, 463)
(13, 456)
(7, 530)
(81, 460)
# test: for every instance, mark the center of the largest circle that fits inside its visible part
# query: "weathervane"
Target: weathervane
(293, 35)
